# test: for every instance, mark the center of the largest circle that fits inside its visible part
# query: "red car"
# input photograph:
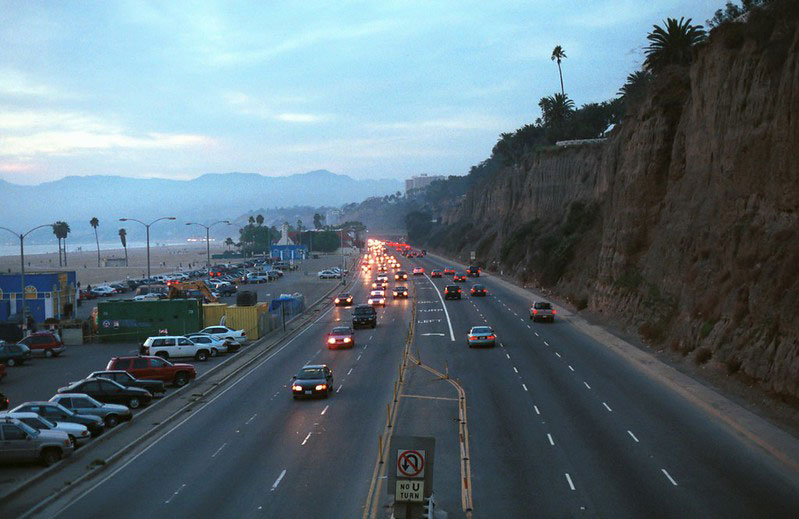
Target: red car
(48, 344)
(449, 271)
(459, 277)
(154, 368)
(340, 337)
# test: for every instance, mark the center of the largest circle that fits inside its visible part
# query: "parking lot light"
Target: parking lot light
(147, 226)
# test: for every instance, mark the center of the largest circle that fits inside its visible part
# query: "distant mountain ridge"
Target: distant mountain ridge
(210, 197)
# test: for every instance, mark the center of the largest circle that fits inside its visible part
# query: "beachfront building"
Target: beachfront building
(48, 295)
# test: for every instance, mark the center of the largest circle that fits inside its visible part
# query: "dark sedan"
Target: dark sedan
(400, 292)
(312, 380)
(155, 387)
(459, 276)
(343, 300)
(479, 291)
(59, 413)
(110, 392)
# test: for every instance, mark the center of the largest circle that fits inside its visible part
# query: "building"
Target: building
(115, 262)
(421, 181)
(48, 295)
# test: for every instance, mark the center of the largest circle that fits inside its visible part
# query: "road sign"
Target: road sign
(410, 464)
(472, 255)
(409, 490)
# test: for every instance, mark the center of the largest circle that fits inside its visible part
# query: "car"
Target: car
(120, 288)
(400, 292)
(85, 295)
(103, 291)
(155, 387)
(81, 403)
(226, 289)
(459, 277)
(481, 336)
(382, 277)
(154, 368)
(328, 274)
(479, 291)
(312, 380)
(452, 292)
(340, 337)
(436, 273)
(19, 442)
(473, 271)
(343, 299)
(78, 434)
(542, 311)
(47, 344)
(223, 332)
(57, 413)
(257, 278)
(13, 354)
(216, 344)
(364, 315)
(377, 297)
(152, 296)
(382, 268)
(379, 284)
(449, 271)
(109, 392)
(174, 346)
(418, 271)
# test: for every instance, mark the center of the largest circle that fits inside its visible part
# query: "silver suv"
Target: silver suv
(22, 443)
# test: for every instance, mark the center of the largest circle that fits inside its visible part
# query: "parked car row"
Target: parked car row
(42, 344)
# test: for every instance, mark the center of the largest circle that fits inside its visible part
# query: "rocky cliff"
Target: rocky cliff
(684, 224)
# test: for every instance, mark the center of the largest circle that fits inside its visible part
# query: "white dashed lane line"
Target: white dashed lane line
(324, 410)
(569, 479)
(251, 419)
(524, 386)
(516, 370)
(586, 384)
(176, 492)
(632, 436)
(218, 450)
(551, 441)
(277, 481)
(558, 354)
(339, 388)
(546, 343)
(536, 410)
(669, 476)
(571, 368)
(536, 334)
(607, 407)
(349, 372)
(507, 356)
(306, 439)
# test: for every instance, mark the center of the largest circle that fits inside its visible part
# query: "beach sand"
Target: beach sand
(163, 258)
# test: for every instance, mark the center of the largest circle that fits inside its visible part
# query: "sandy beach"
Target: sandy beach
(163, 258)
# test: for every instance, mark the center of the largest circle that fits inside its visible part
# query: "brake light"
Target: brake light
(554, 311)
(472, 338)
(491, 337)
(535, 311)
(459, 290)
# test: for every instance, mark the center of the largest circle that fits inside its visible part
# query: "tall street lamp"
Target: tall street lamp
(147, 226)
(21, 237)
(208, 238)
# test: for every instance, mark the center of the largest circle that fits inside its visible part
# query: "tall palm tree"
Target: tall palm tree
(229, 242)
(259, 220)
(94, 222)
(672, 45)
(556, 108)
(123, 237)
(251, 220)
(557, 55)
(61, 230)
(57, 233)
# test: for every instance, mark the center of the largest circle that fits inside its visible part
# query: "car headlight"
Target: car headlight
(338, 300)
(321, 387)
(296, 387)
(347, 339)
(331, 340)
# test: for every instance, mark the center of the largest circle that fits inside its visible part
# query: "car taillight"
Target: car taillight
(331, 340)
(459, 290)
(472, 338)
(554, 311)
(491, 337)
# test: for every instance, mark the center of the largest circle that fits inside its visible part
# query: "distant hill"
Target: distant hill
(206, 198)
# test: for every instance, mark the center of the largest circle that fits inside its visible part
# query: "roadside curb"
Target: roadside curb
(274, 339)
(746, 426)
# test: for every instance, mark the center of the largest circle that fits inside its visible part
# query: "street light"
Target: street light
(147, 226)
(208, 237)
(21, 237)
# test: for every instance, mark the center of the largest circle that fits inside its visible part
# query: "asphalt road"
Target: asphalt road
(558, 426)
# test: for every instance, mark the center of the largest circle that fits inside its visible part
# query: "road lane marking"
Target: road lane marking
(607, 407)
(668, 476)
(536, 334)
(324, 410)
(558, 354)
(251, 419)
(536, 410)
(586, 384)
(350, 371)
(546, 343)
(524, 386)
(516, 370)
(570, 367)
(425, 397)
(184, 486)
(218, 450)
(446, 312)
(528, 326)
(633, 436)
(277, 481)
(306, 439)
(551, 441)
(359, 358)
(507, 356)
(569, 479)
(339, 388)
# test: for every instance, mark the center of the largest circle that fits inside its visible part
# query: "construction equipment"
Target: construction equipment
(184, 289)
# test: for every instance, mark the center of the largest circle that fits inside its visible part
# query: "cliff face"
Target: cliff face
(684, 225)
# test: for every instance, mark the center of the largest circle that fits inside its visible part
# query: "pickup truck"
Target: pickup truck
(542, 311)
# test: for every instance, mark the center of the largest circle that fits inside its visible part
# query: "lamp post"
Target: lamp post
(21, 237)
(147, 226)
(208, 238)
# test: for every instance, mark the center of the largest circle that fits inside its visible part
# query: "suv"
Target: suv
(473, 271)
(452, 292)
(167, 346)
(48, 344)
(542, 311)
(13, 354)
(154, 368)
(364, 315)
(21, 442)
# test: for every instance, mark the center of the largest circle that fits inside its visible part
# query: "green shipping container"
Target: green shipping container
(134, 321)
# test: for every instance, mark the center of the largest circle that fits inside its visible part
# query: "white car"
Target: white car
(329, 274)
(78, 434)
(152, 296)
(217, 345)
(174, 346)
(223, 332)
(257, 278)
(103, 290)
(377, 297)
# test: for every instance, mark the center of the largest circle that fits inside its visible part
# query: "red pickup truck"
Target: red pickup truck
(154, 368)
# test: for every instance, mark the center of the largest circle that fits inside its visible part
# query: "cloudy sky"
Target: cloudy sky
(370, 89)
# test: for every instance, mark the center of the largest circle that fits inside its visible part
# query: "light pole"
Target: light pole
(208, 238)
(21, 237)
(147, 226)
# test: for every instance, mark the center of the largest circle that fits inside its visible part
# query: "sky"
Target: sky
(372, 89)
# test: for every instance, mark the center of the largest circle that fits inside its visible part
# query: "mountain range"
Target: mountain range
(210, 197)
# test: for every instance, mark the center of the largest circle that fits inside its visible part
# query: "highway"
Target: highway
(554, 425)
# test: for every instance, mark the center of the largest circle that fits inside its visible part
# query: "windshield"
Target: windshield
(342, 330)
(481, 330)
(543, 306)
(309, 373)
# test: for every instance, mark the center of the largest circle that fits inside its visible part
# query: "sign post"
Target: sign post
(410, 474)
(472, 255)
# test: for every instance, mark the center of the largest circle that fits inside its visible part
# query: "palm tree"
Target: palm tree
(123, 237)
(259, 220)
(229, 242)
(251, 220)
(61, 230)
(556, 108)
(94, 222)
(672, 45)
(557, 55)
(58, 235)
(635, 85)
